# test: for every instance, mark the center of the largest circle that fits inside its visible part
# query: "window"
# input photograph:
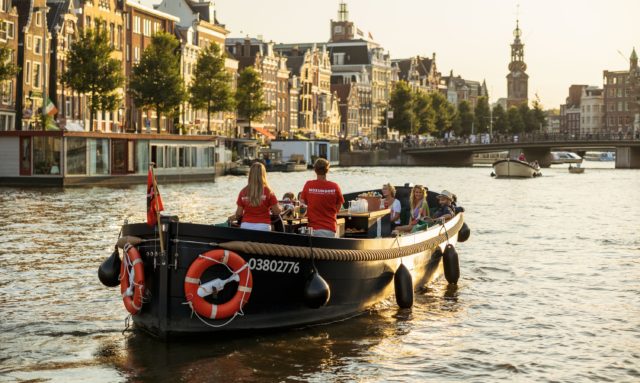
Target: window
(127, 52)
(76, 156)
(9, 27)
(104, 4)
(7, 92)
(119, 40)
(46, 155)
(156, 27)
(38, 18)
(37, 45)
(88, 23)
(112, 35)
(27, 77)
(67, 107)
(136, 54)
(147, 27)
(136, 24)
(29, 41)
(36, 75)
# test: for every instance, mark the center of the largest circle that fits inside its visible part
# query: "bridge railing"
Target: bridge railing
(413, 142)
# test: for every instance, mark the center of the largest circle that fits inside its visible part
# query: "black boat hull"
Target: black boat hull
(359, 272)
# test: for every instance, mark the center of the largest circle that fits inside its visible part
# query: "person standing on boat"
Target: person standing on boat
(323, 199)
(521, 157)
(256, 201)
(390, 202)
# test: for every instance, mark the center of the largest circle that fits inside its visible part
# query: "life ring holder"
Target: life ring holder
(240, 272)
(132, 279)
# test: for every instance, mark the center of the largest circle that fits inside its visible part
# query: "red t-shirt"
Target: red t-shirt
(260, 213)
(322, 198)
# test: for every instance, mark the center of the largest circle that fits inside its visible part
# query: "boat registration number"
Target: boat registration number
(274, 266)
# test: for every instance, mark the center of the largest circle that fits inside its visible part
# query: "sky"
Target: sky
(565, 41)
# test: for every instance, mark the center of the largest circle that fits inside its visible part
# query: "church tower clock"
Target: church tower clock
(517, 79)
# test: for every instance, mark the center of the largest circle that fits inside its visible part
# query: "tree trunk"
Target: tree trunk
(209, 117)
(158, 116)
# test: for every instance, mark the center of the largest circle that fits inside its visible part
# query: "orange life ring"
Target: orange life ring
(133, 304)
(192, 282)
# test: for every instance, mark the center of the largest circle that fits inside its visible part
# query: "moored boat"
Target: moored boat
(576, 170)
(515, 168)
(200, 278)
(565, 158)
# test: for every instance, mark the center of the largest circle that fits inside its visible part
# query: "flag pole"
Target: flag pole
(156, 194)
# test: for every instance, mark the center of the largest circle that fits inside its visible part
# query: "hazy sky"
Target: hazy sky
(566, 41)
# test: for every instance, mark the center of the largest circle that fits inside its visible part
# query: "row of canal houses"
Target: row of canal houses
(323, 91)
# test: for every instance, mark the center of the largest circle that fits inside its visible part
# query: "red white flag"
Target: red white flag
(154, 201)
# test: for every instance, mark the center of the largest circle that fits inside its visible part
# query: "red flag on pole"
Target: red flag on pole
(154, 201)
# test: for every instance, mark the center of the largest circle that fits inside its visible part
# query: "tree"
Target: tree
(250, 95)
(539, 117)
(211, 85)
(527, 118)
(156, 82)
(91, 70)
(482, 115)
(444, 112)
(516, 124)
(465, 116)
(425, 117)
(401, 101)
(500, 121)
(7, 68)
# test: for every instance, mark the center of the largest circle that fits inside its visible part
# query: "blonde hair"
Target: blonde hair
(257, 183)
(391, 188)
(422, 203)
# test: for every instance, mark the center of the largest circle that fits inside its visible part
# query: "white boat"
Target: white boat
(515, 168)
(576, 170)
(565, 158)
(600, 156)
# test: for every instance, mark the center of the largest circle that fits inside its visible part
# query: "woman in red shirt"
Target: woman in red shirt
(256, 201)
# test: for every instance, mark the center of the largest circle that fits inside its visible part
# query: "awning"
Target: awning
(264, 132)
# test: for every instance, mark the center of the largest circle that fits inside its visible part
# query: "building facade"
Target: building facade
(33, 61)
(9, 38)
(622, 98)
(592, 110)
(570, 116)
(419, 72)
(457, 89)
(141, 23)
(517, 79)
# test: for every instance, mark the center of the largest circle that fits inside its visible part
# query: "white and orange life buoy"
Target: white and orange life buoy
(195, 291)
(132, 280)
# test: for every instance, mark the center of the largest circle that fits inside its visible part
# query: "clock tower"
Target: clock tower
(517, 79)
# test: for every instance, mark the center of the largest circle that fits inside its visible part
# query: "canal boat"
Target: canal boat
(194, 279)
(565, 158)
(576, 169)
(515, 169)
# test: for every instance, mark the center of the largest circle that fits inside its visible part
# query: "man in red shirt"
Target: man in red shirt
(323, 199)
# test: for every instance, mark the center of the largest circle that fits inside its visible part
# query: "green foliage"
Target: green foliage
(465, 116)
(211, 85)
(482, 115)
(539, 117)
(156, 81)
(250, 95)
(7, 68)
(401, 102)
(425, 116)
(444, 111)
(500, 120)
(91, 70)
(516, 124)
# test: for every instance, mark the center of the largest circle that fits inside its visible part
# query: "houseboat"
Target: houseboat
(64, 158)
(308, 150)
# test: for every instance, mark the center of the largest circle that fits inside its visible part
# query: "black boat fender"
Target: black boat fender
(464, 233)
(451, 264)
(316, 291)
(403, 283)
(109, 270)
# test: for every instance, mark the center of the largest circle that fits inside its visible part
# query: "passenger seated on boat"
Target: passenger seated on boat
(390, 202)
(323, 199)
(288, 204)
(419, 208)
(256, 201)
(521, 157)
(446, 210)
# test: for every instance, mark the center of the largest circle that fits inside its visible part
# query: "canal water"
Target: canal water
(550, 289)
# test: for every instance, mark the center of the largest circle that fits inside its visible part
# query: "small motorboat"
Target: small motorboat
(576, 169)
(515, 168)
(565, 158)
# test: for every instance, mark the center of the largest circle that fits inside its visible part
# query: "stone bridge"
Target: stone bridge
(460, 153)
